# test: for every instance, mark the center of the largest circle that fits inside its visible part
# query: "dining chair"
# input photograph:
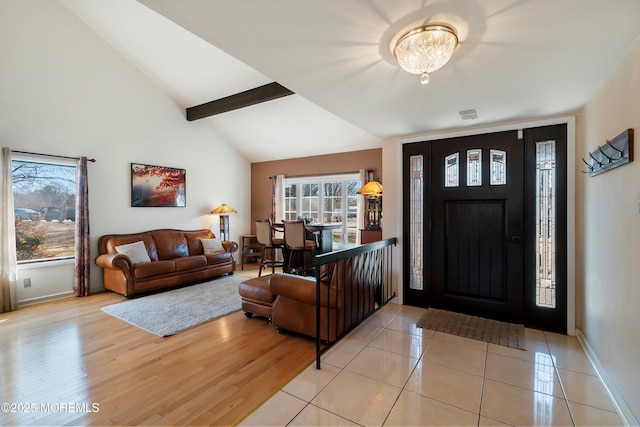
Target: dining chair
(301, 251)
(270, 244)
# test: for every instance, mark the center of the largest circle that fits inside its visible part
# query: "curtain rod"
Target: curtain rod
(52, 155)
(315, 174)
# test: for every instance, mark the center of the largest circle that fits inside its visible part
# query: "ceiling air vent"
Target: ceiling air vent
(468, 114)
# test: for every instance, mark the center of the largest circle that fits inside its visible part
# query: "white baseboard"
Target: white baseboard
(46, 298)
(618, 401)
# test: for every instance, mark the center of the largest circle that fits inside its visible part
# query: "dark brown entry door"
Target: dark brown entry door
(463, 245)
(477, 218)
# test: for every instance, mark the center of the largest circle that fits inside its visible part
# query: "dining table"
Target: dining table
(323, 231)
(325, 235)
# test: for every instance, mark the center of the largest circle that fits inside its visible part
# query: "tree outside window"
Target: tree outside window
(44, 197)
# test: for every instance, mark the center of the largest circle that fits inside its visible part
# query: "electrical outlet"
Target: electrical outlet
(27, 282)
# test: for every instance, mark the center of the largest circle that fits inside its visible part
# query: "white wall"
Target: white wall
(64, 91)
(609, 230)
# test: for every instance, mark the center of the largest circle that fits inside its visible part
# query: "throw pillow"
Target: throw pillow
(136, 251)
(212, 246)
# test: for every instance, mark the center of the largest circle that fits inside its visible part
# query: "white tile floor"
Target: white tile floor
(388, 372)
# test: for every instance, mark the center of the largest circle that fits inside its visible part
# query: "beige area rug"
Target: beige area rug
(477, 328)
(170, 312)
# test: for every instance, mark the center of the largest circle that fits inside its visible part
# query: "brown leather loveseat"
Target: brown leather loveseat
(343, 299)
(150, 260)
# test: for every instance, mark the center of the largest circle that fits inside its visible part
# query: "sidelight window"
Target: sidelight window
(416, 201)
(546, 224)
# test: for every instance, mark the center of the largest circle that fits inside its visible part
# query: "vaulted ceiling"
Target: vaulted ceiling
(517, 60)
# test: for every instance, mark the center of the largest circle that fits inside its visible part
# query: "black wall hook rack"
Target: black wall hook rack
(614, 153)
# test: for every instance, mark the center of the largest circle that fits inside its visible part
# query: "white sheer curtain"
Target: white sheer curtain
(365, 176)
(279, 198)
(8, 298)
(278, 207)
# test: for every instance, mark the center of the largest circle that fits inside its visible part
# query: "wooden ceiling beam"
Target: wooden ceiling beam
(247, 98)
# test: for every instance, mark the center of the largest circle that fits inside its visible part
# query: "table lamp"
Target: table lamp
(224, 210)
(372, 190)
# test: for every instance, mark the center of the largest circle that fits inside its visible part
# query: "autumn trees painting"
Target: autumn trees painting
(157, 186)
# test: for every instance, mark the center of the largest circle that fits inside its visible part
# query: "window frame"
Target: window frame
(320, 181)
(52, 161)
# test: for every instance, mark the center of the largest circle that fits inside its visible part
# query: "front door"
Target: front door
(477, 202)
(478, 218)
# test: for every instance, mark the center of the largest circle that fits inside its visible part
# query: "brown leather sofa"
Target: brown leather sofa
(294, 307)
(176, 257)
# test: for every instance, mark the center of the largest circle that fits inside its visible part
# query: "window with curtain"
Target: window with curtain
(327, 200)
(44, 192)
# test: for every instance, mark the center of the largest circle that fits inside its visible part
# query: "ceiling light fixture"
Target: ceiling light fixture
(425, 49)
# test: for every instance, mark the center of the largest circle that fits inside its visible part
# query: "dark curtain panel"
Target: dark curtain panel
(83, 256)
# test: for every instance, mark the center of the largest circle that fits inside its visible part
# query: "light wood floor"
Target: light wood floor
(61, 360)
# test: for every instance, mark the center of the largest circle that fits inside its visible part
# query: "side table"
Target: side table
(370, 236)
(249, 248)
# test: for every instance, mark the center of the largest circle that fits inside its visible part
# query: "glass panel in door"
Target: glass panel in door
(416, 174)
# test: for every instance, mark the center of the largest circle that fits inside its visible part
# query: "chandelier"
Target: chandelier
(425, 49)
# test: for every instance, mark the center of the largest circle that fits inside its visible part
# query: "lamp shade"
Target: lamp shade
(223, 209)
(371, 188)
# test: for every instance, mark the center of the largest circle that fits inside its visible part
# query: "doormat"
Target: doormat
(474, 327)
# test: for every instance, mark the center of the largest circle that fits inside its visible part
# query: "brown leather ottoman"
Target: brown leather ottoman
(256, 297)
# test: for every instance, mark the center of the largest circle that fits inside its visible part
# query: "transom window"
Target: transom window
(451, 170)
(474, 167)
(498, 168)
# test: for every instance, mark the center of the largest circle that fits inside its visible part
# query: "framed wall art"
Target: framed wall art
(157, 186)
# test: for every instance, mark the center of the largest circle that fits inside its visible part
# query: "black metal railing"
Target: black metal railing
(351, 285)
